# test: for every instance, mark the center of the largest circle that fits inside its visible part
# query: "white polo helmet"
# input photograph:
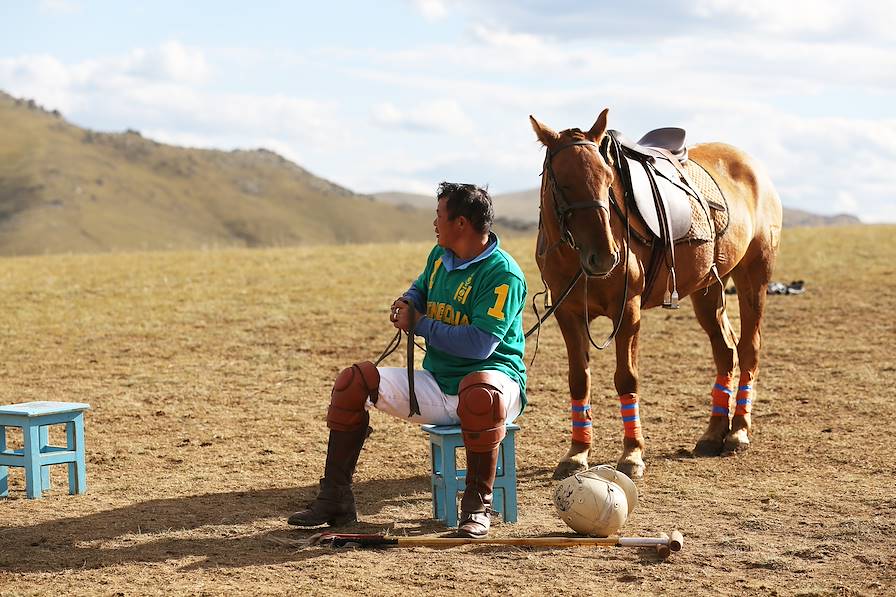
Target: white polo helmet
(596, 502)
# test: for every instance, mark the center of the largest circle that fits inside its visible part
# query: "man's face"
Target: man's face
(447, 231)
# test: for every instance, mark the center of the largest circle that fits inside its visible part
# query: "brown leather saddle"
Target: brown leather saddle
(660, 187)
(661, 191)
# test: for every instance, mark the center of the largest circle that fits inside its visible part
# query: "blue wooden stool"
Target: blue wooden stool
(448, 481)
(38, 455)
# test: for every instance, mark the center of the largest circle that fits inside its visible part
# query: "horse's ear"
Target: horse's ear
(547, 137)
(600, 127)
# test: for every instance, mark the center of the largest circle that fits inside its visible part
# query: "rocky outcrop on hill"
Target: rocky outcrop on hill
(69, 189)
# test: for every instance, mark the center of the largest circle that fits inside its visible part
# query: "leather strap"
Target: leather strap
(663, 217)
(412, 396)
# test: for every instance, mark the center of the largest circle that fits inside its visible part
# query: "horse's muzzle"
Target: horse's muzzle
(600, 266)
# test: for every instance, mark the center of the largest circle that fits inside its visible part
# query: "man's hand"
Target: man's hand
(401, 314)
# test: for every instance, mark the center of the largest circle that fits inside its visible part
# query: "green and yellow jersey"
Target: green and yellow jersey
(487, 292)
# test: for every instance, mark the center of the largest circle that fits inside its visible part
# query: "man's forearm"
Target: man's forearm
(465, 341)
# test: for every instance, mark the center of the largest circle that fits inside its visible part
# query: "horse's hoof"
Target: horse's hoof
(633, 470)
(736, 443)
(708, 447)
(567, 468)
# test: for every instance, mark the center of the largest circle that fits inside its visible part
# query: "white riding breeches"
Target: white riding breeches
(436, 407)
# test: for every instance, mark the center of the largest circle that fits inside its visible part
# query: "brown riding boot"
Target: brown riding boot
(335, 503)
(476, 503)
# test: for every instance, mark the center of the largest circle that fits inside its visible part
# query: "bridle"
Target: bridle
(562, 209)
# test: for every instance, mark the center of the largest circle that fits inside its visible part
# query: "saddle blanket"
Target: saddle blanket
(696, 207)
(709, 190)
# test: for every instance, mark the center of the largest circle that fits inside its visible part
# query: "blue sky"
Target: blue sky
(400, 94)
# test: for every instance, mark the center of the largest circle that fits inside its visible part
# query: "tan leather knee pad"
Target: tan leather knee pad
(481, 411)
(353, 386)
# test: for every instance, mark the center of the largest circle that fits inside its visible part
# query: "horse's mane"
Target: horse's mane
(574, 133)
(579, 135)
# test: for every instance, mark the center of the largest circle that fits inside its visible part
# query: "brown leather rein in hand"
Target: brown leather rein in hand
(412, 396)
(391, 347)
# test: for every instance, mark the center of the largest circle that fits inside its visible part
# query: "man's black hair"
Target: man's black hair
(469, 201)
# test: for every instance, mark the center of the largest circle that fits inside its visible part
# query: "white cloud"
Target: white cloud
(162, 90)
(432, 10)
(41, 77)
(172, 67)
(797, 106)
(171, 61)
(442, 116)
(181, 138)
(823, 165)
(813, 103)
(823, 18)
(386, 114)
(772, 15)
(846, 202)
(738, 66)
(507, 40)
(648, 21)
(59, 7)
(223, 141)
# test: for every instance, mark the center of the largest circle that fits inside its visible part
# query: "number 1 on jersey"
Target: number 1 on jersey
(498, 310)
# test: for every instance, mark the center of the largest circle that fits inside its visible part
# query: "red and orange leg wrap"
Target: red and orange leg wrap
(631, 419)
(743, 405)
(353, 386)
(721, 395)
(581, 421)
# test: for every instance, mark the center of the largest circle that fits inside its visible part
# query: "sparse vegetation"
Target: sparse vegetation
(65, 189)
(209, 374)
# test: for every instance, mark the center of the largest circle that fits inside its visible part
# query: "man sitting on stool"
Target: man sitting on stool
(473, 294)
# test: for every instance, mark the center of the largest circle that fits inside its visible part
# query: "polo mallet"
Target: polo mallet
(664, 544)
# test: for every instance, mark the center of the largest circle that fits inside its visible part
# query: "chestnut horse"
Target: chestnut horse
(584, 227)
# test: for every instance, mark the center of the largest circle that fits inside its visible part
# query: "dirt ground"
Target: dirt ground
(209, 375)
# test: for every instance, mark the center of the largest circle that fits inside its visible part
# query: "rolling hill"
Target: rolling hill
(67, 189)
(521, 208)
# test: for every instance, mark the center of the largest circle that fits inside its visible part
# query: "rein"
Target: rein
(412, 396)
(391, 347)
(561, 212)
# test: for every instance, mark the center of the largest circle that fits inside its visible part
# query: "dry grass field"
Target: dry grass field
(209, 375)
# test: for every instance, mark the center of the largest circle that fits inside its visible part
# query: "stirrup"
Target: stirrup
(670, 299)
